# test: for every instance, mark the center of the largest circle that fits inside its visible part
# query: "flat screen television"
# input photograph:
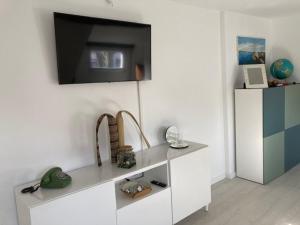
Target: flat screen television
(93, 50)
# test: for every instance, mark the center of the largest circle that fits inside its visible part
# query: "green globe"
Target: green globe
(282, 69)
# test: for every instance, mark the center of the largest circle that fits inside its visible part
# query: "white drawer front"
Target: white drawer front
(94, 206)
(190, 181)
(152, 210)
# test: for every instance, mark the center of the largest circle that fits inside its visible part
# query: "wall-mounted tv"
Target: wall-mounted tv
(93, 50)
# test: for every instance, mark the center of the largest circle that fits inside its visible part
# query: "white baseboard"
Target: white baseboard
(231, 175)
(218, 179)
(222, 177)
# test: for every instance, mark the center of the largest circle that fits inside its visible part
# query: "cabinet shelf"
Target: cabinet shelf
(123, 200)
(159, 173)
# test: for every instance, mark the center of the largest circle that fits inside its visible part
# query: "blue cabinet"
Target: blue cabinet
(267, 132)
(273, 110)
(292, 147)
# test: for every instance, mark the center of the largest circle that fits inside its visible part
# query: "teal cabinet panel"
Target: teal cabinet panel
(273, 110)
(292, 106)
(274, 156)
(292, 147)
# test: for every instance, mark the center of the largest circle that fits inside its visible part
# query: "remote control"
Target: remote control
(155, 182)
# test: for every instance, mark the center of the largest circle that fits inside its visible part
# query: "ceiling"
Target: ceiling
(262, 8)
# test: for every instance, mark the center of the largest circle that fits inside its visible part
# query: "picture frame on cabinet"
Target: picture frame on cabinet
(255, 76)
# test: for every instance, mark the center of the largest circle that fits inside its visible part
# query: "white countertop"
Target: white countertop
(93, 175)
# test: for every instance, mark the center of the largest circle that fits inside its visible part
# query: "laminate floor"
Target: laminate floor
(241, 202)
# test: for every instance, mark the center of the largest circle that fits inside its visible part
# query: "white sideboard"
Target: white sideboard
(94, 197)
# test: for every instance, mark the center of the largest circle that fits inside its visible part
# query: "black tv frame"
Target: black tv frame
(101, 21)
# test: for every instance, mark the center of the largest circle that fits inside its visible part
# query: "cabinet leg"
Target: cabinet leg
(206, 208)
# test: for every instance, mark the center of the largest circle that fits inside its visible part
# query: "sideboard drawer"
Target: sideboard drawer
(94, 206)
(152, 210)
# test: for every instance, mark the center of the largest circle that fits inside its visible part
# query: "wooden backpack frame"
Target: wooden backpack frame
(116, 134)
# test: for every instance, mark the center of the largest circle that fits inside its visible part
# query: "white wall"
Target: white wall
(186, 89)
(43, 124)
(286, 36)
(233, 25)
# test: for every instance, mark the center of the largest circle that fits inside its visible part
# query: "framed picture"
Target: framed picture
(251, 50)
(255, 76)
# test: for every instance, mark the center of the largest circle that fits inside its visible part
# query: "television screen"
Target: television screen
(92, 50)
